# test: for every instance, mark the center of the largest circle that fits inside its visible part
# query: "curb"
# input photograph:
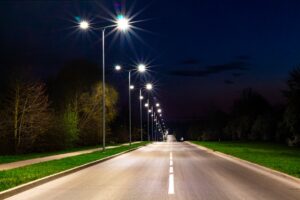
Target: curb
(26, 186)
(258, 168)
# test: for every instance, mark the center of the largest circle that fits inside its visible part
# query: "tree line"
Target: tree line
(253, 118)
(62, 112)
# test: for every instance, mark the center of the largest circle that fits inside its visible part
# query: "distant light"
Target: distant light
(146, 105)
(149, 111)
(141, 97)
(159, 110)
(122, 23)
(118, 67)
(141, 68)
(131, 87)
(157, 104)
(160, 115)
(149, 86)
(84, 25)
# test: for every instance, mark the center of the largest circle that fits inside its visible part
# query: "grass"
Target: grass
(14, 177)
(274, 156)
(20, 157)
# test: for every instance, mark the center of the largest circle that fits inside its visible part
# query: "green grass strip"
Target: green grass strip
(275, 156)
(14, 177)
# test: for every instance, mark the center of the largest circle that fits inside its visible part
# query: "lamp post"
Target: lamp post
(131, 87)
(152, 115)
(141, 113)
(148, 87)
(148, 127)
(122, 24)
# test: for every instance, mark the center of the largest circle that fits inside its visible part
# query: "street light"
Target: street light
(122, 24)
(141, 68)
(84, 25)
(118, 67)
(159, 110)
(149, 86)
(152, 117)
(157, 104)
(141, 113)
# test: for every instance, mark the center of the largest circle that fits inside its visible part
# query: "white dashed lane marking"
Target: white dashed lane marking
(171, 175)
(171, 184)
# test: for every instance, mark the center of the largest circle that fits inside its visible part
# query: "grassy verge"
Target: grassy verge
(20, 157)
(15, 177)
(275, 156)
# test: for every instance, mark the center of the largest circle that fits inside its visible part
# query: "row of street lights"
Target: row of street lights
(141, 68)
(122, 24)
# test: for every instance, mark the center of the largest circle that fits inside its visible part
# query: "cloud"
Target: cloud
(237, 74)
(235, 65)
(229, 82)
(190, 61)
(243, 57)
(212, 69)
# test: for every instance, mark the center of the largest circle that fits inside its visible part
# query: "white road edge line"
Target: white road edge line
(171, 170)
(171, 184)
(171, 162)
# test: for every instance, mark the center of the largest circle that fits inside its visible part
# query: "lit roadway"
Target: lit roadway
(165, 171)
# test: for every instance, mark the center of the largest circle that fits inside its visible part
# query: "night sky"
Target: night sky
(201, 52)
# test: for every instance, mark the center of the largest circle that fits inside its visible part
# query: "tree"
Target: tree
(244, 113)
(264, 128)
(90, 112)
(26, 113)
(69, 126)
(292, 113)
(77, 96)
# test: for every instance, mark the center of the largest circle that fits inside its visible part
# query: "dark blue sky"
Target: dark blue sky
(202, 52)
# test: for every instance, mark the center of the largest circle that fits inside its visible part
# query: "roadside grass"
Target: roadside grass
(20, 157)
(14, 177)
(275, 156)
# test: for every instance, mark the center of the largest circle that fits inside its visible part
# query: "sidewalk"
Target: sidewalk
(22, 163)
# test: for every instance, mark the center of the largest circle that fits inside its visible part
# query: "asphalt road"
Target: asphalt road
(165, 171)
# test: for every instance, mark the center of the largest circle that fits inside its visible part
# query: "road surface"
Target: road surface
(165, 171)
